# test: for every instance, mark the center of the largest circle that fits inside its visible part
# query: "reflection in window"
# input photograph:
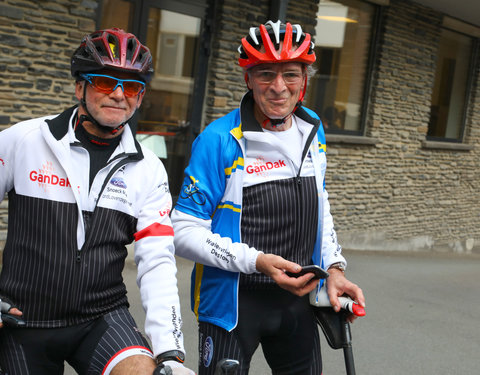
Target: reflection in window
(172, 39)
(117, 13)
(342, 44)
(450, 88)
(165, 113)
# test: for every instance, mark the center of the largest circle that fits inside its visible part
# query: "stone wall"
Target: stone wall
(36, 42)
(398, 194)
(226, 83)
(393, 195)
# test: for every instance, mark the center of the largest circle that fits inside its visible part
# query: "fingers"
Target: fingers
(275, 266)
(299, 286)
(338, 285)
(272, 265)
(15, 311)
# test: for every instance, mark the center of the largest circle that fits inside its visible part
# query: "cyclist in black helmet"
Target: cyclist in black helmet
(80, 189)
(260, 171)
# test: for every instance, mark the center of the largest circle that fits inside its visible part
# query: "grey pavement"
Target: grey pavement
(422, 315)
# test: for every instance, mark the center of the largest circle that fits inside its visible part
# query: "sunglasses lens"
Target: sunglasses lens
(107, 84)
(104, 84)
(132, 88)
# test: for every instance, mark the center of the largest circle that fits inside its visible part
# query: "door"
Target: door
(170, 115)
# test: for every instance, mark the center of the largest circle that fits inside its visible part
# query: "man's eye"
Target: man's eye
(293, 75)
(267, 75)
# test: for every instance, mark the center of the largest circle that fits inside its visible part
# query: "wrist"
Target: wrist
(171, 355)
(337, 266)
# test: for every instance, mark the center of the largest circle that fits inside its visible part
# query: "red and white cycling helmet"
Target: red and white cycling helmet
(115, 49)
(296, 47)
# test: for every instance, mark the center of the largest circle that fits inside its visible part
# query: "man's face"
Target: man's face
(111, 109)
(276, 87)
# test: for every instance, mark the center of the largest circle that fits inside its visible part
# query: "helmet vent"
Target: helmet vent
(131, 47)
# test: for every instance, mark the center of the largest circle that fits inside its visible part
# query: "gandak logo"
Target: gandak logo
(46, 177)
(261, 167)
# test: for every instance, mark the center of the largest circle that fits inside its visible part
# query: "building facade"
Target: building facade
(403, 134)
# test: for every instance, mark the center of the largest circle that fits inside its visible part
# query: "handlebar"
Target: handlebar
(320, 299)
(9, 319)
(227, 367)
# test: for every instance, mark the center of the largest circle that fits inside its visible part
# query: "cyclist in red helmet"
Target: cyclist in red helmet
(253, 205)
(80, 189)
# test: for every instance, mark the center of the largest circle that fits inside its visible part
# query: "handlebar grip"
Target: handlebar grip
(350, 305)
(12, 320)
(321, 299)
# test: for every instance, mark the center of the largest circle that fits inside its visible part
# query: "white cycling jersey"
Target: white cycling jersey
(60, 269)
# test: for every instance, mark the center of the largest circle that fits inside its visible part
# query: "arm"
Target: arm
(7, 148)
(154, 256)
(195, 240)
(337, 283)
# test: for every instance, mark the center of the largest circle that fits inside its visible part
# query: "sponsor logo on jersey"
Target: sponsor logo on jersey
(193, 192)
(1, 161)
(46, 177)
(118, 182)
(165, 211)
(118, 192)
(207, 351)
(261, 167)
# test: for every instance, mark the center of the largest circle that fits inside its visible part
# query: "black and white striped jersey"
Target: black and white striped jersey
(66, 241)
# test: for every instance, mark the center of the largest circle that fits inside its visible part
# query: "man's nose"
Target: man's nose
(278, 83)
(118, 92)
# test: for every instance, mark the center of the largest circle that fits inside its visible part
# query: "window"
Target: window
(449, 96)
(117, 13)
(171, 110)
(343, 42)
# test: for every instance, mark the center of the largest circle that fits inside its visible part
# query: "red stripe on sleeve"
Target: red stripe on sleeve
(153, 230)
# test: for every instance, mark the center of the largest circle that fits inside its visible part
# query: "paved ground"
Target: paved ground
(422, 315)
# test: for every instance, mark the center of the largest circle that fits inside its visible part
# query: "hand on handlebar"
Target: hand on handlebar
(10, 315)
(321, 298)
(172, 368)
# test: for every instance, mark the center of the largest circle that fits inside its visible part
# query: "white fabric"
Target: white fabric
(122, 355)
(194, 240)
(147, 199)
(178, 368)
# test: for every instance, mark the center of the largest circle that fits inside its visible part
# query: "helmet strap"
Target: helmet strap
(88, 117)
(274, 122)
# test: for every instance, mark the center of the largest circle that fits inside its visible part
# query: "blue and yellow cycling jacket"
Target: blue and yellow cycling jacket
(207, 216)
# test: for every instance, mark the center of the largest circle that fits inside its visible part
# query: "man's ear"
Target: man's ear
(140, 98)
(247, 80)
(79, 89)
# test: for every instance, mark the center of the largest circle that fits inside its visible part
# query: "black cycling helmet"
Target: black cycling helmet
(114, 49)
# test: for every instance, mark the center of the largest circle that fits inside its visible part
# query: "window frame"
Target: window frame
(371, 65)
(473, 66)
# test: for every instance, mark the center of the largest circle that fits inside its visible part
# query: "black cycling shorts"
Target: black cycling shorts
(281, 322)
(90, 348)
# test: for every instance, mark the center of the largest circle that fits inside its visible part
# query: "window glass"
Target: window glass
(116, 13)
(342, 45)
(165, 114)
(450, 88)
